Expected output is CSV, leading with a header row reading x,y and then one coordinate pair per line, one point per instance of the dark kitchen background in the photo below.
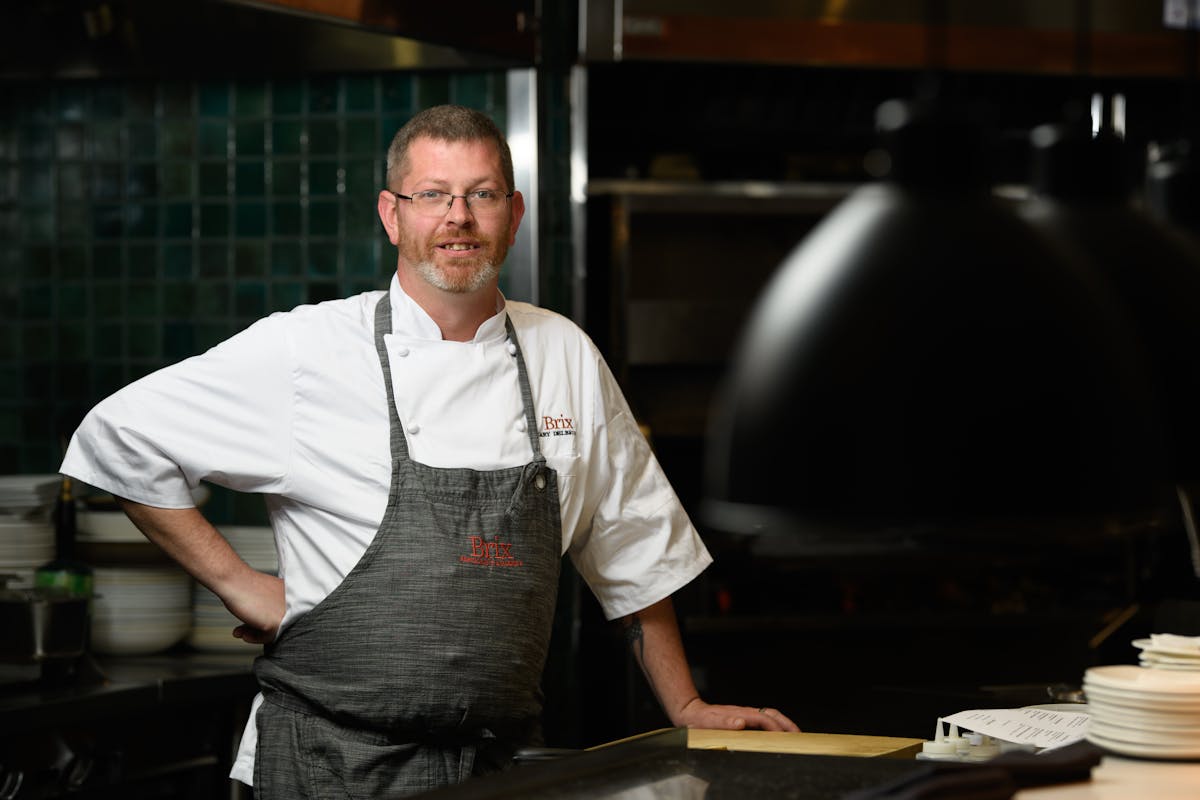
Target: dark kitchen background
x,y
171,172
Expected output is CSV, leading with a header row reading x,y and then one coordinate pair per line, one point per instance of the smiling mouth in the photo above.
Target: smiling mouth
x,y
458,247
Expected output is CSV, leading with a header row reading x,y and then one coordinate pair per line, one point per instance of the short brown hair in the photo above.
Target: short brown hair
x,y
448,123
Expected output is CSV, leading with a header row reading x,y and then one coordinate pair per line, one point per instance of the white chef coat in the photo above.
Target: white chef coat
x,y
294,408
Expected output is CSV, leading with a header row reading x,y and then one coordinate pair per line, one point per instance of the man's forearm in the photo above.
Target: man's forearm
x,y
184,534
653,637
189,539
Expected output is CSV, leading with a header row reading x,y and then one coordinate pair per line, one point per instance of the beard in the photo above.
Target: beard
x,y
460,281
465,275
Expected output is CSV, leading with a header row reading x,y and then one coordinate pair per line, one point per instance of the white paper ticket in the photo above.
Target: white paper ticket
x,y
1040,727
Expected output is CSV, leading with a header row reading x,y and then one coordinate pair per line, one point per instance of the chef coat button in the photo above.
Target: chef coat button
x,y
414,428
521,425
540,481
401,351
512,349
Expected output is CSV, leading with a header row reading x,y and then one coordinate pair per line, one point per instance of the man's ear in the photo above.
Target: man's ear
x,y
517,210
386,206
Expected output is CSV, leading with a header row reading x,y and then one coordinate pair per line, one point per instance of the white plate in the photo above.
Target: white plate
x,y
27,552
145,622
140,576
18,564
103,604
1140,681
1168,658
220,640
1166,648
1101,696
1142,750
116,638
106,526
1175,737
25,491
1150,664
26,521
1146,719
26,538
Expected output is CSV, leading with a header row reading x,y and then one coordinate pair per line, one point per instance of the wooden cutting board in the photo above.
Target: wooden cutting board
x,y
823,744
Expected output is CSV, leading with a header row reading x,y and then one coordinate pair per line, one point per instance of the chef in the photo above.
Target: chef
x,y
427,454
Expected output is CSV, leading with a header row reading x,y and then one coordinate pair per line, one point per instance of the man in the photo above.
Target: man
x,y
427,454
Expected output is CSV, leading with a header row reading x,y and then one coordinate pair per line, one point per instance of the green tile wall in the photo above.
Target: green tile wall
x,y
144,221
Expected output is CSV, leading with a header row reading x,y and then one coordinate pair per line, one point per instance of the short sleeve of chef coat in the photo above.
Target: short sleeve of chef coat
x,y
640,546
223,417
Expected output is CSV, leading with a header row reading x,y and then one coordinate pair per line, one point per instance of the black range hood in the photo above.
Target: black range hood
x,y
87,38
1062,37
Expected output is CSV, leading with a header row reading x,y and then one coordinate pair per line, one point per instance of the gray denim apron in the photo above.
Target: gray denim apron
x,y
423,667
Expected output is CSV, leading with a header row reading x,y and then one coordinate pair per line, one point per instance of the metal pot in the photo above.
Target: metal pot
x,y
41,624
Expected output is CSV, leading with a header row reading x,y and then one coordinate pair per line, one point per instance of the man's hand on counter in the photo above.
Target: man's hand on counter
x,y
699,714
653,638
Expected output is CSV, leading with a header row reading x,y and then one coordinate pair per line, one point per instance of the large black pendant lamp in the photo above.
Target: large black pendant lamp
x,y
1083,199
924,360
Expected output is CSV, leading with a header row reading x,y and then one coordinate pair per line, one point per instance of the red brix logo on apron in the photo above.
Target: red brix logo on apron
x,y
493,553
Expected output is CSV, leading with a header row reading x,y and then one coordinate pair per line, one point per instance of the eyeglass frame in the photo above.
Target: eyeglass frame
x,y
450,204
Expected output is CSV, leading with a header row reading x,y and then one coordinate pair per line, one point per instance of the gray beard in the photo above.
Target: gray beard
x,y
487,273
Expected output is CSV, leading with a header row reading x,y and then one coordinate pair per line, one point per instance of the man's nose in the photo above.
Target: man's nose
x,y
459,211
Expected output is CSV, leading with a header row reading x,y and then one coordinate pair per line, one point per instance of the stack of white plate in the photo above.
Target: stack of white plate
x,y
106,526
212,624
26,533
1170,651
20,494
139,610
1144,712
26,543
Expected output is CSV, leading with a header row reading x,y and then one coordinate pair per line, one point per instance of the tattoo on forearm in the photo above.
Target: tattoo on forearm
x,y
635,639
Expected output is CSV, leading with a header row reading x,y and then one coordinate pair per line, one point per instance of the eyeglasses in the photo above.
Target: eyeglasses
x,y
482,202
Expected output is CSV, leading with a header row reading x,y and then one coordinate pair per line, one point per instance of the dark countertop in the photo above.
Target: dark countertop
x,y
660,765
103,686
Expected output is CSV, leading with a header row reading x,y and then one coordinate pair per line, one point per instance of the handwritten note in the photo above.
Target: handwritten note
x,y
1039,727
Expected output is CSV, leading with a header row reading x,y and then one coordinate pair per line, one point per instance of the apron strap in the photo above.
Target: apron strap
x,y
535,443
383,325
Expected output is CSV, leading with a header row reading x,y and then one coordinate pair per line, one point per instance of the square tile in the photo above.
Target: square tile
x,y
250,259
324,177
250,98
287,259
214,179
287,137
213,99
286,219
213,139
250,179
178,179
287,97
213,260
323,218
359,93
322,259
285,178
250,138
323,137
214,220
